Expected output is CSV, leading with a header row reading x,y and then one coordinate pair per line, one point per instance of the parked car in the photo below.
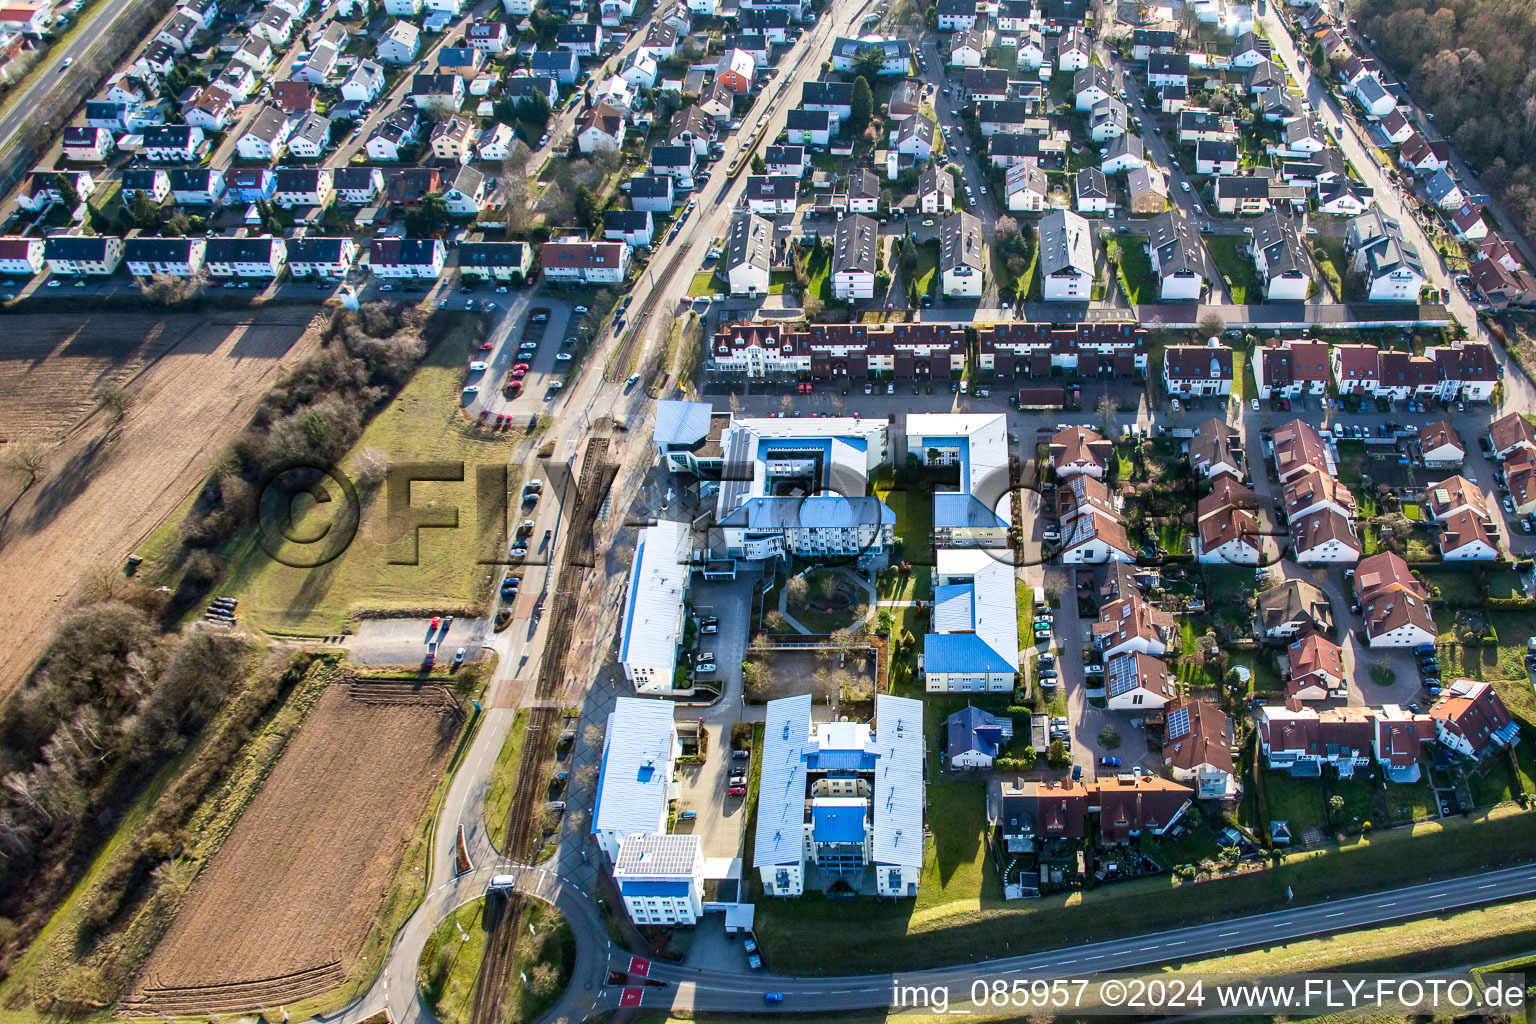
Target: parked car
x,y
1109,762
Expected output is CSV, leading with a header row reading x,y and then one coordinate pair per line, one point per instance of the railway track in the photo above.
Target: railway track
x,y
543,733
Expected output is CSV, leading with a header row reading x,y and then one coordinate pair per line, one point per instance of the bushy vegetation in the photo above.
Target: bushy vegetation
x,y
111,701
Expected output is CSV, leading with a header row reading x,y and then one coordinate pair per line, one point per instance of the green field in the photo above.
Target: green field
x,y
423,424
450,961
1236,266
1136,277
503,780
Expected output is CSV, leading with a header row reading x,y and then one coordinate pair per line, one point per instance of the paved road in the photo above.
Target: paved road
x,y
718,991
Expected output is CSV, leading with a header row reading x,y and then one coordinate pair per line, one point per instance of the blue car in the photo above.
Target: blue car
x,y
1109,762
773,997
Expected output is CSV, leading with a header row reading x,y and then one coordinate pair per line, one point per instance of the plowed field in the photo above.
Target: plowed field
x,y
283,908
195,378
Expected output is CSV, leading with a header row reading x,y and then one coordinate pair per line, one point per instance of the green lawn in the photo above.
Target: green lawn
x,y
1298,801
913,508
1236,266
705,282
1329,253
1136,277
503,780
423,424
927,272
780,281
818,271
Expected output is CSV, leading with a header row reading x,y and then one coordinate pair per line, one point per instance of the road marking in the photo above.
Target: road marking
x,y
1438,896
1223,935
1490,885
1337,913
1179,943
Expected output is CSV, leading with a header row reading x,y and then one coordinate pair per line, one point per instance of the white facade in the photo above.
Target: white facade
x,y
654,610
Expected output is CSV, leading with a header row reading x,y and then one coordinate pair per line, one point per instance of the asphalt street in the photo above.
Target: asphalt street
x,y
717,991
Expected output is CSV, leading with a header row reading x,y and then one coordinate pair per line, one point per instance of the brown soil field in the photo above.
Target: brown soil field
x,y
282,909
195,378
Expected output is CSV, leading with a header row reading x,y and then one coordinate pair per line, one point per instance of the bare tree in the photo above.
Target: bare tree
x,y
371,467
115,400
28,459
1106,410
1211,325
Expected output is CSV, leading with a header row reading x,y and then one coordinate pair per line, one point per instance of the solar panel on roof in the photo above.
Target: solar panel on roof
x,y
1178,723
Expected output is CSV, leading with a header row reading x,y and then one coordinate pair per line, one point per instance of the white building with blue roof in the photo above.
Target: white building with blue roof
x,y
979,511
974,645
635,784
841,800
653,610
799,487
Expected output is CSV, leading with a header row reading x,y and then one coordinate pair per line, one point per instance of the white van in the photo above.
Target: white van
x,y
502,883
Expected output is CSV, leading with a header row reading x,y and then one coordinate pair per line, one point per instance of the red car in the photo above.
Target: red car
x,y
436,621
521,366
483,414
738,791
486,346
518,373
515,387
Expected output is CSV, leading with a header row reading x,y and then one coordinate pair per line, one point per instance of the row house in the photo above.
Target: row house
x,y
570,260
324,258
1394,604
261,257
1197,370
1301,740
304,186
1227,530
1292,368
407,258
175,257
842,351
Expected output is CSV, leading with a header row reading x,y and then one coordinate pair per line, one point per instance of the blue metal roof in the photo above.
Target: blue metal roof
x,y
961,652
681,422
956,510
646,887
838,823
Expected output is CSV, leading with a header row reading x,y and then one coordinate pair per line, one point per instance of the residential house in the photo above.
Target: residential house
x,y
1394,605
464,192
1197,748
1197,370
601,128
1147,189
365,83
1147,41
674,162
87,145
1025,188
586,262
1079,450
1011,117
1066,256
562,65
1292,368
1373,97
174,143
325,258
275,26
1092,85
1294,608
1205,126
1074,51
260,257
452,139
1178,256
495,143
20,257
1501,287
771,195
1241,194
808,127
496,261
439,94
968,49
1325,536
660,878
1467,223
1315,669
357,186
1109,119
976,737
489,37
1008,149
1343,198
651,192
936,190
1299,448
409,258
1167,69
304,186
957,15
173,257
82,255
250,184
854,243
1510,434
792,160
1138,682
1442,190
632,227
1217,448
1471,720
1316,491
962,255
584,40
1226,529
1280,257
1123,153
863,192
735,70
1216,158
1388,264
399,45
748,256
266,136
310,137
1131,805
1394,128
915,138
